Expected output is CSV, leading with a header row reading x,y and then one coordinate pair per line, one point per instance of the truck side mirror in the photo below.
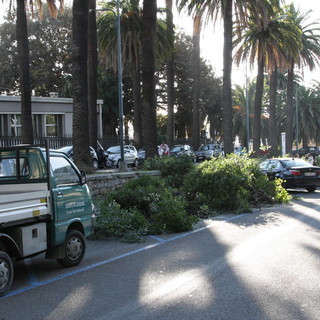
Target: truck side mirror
x,y
83,177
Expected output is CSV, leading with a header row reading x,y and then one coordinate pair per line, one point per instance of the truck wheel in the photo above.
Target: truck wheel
x,y
75,247
6,273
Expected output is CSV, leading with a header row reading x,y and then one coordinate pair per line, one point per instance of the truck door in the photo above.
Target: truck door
x,y
71,198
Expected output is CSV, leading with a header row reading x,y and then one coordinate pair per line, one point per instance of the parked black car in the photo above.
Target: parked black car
x,y
296,172
314,151
97,162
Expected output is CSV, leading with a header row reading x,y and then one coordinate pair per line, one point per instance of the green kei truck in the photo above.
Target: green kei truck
x,y
45,206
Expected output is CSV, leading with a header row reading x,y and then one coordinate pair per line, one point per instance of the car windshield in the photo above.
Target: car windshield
x,y
204,148
296,163
177,149
65,149
115,149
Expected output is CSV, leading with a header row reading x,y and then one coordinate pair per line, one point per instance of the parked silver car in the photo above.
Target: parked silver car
x,y
130,155
209,151
182,149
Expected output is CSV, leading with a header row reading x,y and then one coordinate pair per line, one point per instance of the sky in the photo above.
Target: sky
x,y
212,40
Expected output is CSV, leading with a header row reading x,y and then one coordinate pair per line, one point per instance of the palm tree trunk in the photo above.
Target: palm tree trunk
x,y
272,114
92,74
196,82
227,67
81,154
24,73
170,82
289,110
148,77
257,107
136,92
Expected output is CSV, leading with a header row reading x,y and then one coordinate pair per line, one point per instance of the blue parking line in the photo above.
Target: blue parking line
x,y
34,283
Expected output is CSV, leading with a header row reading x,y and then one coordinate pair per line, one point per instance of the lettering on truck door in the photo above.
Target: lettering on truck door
x,y
69,195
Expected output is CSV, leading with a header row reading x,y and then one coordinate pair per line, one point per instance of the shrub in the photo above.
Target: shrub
x,y
144,204
115,221
231,184
170,216
173,169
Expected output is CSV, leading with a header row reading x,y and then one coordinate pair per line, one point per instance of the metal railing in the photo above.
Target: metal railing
x,y
53,142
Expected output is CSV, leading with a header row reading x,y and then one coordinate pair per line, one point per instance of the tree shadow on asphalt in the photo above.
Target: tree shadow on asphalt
x,y
203,275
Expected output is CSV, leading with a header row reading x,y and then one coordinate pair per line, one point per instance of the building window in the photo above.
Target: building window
x,y
51,125
15,124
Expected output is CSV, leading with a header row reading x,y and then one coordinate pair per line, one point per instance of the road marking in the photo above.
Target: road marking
x,y
35,284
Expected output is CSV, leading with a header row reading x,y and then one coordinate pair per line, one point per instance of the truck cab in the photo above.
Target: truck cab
x,y
45,206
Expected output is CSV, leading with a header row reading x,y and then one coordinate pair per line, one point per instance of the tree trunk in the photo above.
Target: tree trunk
x,y
289,110
256,135
136,92
24,73
226,89
196,82
92,74
148,35
170,82
273,133
80,86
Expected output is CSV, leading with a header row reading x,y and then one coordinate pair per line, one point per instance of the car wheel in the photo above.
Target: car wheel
x,y
311,188
74,247
136,163
6,273
109,163
118,164
95,164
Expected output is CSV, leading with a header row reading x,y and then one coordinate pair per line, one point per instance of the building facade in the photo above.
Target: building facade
x,y
52,116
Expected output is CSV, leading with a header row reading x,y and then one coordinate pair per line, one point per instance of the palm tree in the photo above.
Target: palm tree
x,y
243,9
267,44
242,97
170,80
24,64
80,12
92,74
148,36
196,82
24,72
308,56
131,28
308,114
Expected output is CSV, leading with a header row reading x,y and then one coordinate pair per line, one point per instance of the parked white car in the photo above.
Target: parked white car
x,y
130,155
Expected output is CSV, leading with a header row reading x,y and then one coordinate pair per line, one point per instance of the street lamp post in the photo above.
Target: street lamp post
x,y
120,93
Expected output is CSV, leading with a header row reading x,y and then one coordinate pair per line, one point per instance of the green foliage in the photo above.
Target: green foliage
x,y
173,169
232,184
281,194
149,205
115,221
143,205
49,50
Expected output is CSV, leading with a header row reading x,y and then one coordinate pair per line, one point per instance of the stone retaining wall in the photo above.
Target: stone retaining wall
x,y
100,184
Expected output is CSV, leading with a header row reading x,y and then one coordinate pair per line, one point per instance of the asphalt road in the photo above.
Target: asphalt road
x,y
255,266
